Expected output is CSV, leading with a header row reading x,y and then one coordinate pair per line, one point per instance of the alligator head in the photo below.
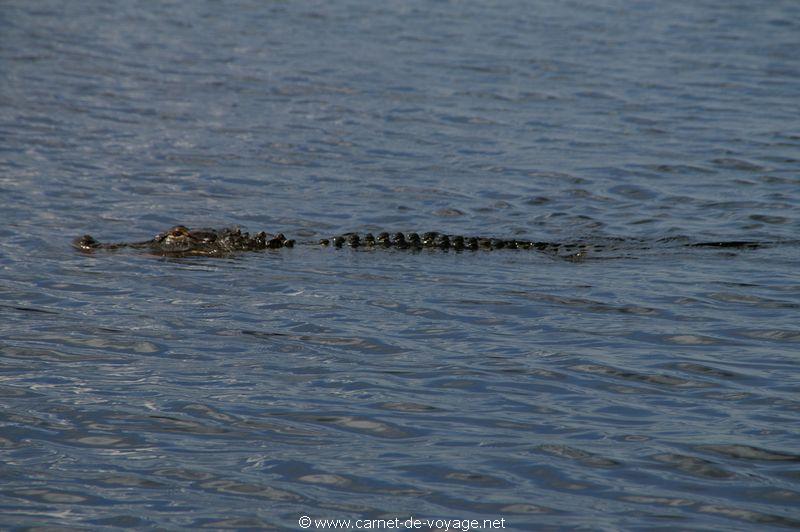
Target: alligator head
x,y
182,241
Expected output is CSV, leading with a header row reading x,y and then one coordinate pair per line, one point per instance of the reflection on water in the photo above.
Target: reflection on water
x,y
638,386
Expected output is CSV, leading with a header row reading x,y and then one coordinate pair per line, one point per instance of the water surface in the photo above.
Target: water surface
x,y
652,388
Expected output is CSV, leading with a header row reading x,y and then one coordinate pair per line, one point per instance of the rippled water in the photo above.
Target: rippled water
x,y
652,388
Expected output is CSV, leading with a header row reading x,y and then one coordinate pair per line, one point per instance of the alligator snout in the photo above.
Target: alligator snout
x,y
85,243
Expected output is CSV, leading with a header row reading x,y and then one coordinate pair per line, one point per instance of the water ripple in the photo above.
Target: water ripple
x,y
631,381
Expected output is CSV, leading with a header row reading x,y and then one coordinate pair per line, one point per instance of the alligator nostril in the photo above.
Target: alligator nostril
x,y
86,242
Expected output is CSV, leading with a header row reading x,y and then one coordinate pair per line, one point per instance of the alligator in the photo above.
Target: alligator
x,y
180,241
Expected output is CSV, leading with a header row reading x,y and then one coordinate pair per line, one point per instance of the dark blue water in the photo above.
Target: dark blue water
x,y
653,388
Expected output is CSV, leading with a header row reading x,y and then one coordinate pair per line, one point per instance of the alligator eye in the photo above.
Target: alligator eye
x,y
179,230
